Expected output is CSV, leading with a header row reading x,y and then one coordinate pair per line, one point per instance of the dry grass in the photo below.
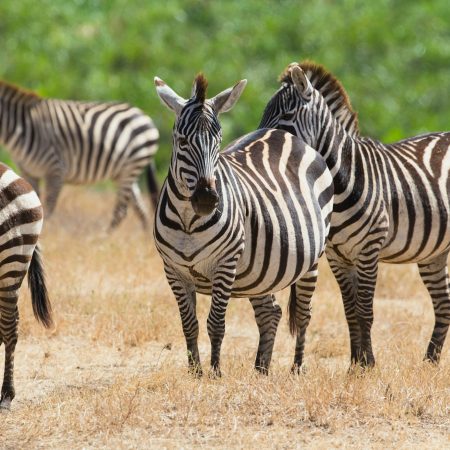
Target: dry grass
x,y
113,372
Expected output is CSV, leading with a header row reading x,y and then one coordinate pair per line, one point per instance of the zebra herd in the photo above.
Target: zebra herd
x,y
247,221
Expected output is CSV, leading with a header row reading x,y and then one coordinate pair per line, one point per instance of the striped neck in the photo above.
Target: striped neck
x,y
337,147
331,140
14,112
179,204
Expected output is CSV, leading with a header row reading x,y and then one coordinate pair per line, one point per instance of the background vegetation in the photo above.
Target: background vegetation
x,y
392,56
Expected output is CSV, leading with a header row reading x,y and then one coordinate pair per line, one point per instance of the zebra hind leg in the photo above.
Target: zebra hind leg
x,y
300,313
9,317
435,276
152,183
139,205
267,315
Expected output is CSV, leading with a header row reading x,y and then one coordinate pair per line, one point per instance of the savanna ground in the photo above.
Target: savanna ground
x,y
112,374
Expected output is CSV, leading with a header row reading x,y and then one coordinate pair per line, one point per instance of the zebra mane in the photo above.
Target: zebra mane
x,y
332,91
9,87
199,88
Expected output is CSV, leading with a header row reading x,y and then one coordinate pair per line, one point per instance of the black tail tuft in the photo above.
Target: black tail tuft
x,y
152,184
292,307
42,308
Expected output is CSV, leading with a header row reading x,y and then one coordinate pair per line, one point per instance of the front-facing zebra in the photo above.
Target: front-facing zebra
x,y
80,143
391,203
246,222
20,226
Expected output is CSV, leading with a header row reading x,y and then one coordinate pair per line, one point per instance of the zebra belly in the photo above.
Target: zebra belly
x,y
404,242
243,286
418,246
420,233
260,270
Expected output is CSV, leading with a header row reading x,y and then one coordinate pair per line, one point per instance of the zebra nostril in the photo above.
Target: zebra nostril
x,y
214,196
204,200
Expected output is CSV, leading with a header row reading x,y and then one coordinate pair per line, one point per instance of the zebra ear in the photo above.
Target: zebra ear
x,y
224,101
169,97
301,82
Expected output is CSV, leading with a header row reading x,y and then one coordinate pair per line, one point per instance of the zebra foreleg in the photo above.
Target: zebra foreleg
x,y
221,291
300,313
53,185
267,315
139,205
9,317
367,270
32,180
186,298
124,195
347,280
434,275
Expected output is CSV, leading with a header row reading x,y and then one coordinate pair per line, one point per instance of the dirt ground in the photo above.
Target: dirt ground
x,y
112,373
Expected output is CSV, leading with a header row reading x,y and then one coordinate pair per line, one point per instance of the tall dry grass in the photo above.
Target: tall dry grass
x,y
112,374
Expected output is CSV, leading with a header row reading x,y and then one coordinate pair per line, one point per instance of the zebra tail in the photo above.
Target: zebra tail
x,y
42,308
152,184
292,308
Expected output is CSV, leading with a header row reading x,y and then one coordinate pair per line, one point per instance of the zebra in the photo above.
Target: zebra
x,y
20,226
245,222
391,201
80,142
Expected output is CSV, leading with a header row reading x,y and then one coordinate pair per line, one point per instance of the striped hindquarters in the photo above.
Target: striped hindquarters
x,y
20,226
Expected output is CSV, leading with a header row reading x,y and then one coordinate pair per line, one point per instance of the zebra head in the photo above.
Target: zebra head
x,y
290,107
197,136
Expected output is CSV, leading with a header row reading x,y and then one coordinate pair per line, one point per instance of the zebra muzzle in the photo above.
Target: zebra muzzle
x,y
205,198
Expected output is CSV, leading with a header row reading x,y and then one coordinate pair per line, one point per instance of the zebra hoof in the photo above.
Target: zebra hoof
x,y
298,369
5,404
433,360
215,373
262,370
359,369
196,371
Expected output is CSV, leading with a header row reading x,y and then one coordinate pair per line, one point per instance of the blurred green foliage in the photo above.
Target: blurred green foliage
x,y
392,56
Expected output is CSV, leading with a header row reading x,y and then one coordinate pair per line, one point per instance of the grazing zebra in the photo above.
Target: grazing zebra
x,y
20,226
391,201
246,222
79,143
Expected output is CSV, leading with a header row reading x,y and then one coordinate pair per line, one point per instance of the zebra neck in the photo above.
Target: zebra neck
x,y
335,144
338,148
179,205
14,120
175,192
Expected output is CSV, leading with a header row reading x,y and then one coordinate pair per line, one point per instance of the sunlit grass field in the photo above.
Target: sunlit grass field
x,y
112,374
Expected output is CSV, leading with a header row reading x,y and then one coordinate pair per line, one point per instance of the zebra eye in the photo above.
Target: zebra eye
x,y
182,142
287,115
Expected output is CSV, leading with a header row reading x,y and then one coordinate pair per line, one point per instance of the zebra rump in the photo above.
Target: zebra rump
x,y
20,227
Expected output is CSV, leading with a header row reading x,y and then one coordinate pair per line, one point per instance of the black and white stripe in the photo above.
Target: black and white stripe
x,y
246,222
391,203
20,226
79,142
